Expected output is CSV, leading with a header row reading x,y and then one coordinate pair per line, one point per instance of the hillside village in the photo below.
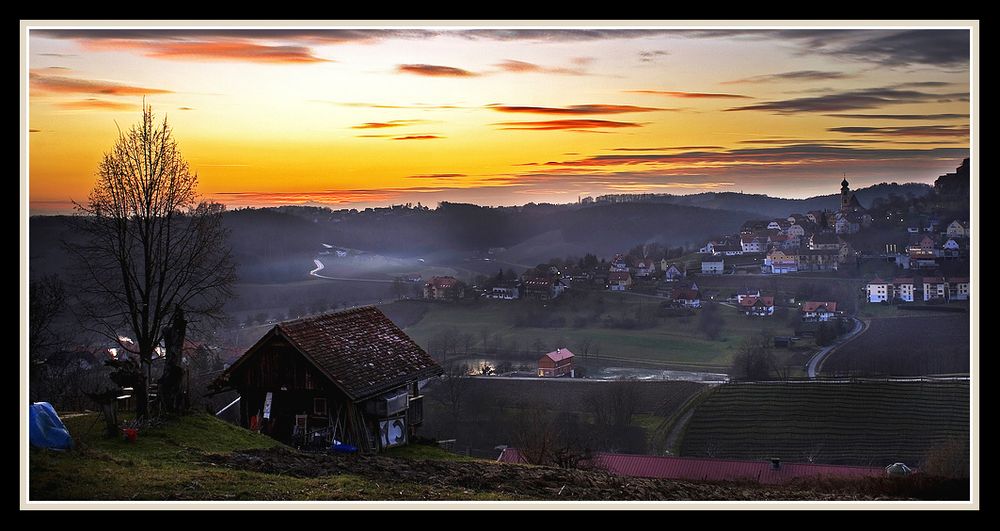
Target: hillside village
x,y
815,242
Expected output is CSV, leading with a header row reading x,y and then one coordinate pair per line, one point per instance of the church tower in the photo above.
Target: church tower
x,y
845,195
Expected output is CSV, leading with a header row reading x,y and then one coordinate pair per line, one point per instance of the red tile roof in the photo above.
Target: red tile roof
x,y
751,300
619,276
559,355
934,280
443,282
812,306
360,350
958,279
685,294
901,280
697,469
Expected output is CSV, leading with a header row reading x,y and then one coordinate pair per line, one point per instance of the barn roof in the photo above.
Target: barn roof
x,y
360,350
697,469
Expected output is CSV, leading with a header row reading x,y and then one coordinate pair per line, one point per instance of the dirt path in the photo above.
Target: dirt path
x,y
678,428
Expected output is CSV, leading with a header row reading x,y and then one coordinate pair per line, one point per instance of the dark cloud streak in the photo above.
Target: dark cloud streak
x,y
593,108
434,70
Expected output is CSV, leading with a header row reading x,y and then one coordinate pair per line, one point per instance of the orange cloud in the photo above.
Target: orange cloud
x,y
575,109
223,50
96,104
521,67
562,125
696,95
434,71
68,85
391,123
417,137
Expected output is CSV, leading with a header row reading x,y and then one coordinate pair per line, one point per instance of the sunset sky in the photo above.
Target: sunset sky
x,y
363,117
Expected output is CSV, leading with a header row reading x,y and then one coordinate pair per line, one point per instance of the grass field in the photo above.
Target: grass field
x,y
492,410
903,346
168,463
672,342
866,423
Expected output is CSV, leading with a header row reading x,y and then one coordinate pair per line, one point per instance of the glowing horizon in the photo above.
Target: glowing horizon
x,y
354,117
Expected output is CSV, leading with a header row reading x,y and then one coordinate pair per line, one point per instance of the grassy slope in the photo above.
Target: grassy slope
x,y
166,463
673,341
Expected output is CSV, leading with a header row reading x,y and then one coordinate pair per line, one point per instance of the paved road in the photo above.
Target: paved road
x,y
320,267
814,363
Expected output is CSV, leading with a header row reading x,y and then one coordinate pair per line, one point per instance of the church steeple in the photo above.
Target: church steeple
x,y
845,195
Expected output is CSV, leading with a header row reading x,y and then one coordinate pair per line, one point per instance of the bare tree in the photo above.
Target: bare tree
x,y
46,301
454,385
150,245
754,360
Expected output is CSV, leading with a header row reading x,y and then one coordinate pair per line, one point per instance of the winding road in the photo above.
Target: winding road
x,y
817,360
320,267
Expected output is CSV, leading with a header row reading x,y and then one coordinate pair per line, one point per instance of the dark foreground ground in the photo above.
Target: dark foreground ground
x,y
508,481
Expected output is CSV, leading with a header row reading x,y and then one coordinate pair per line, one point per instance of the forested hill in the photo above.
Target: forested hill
x,y
764,206
463,227
293,235
286,238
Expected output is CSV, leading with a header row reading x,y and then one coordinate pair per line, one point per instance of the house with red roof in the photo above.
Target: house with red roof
x,y
619,281
813,311
757,306
645,267
442,288
556,363
769,472
686,297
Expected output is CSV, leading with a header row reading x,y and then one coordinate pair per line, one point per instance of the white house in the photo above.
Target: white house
x,y
672,272
709,248
619,281
958,289
688,298
758,306
795,230
744,294
935,288
712,266
879,290
818,310
951,248
957,229
618,264
645,267
904,289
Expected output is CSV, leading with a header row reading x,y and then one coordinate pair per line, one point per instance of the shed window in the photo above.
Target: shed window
x,y
319,406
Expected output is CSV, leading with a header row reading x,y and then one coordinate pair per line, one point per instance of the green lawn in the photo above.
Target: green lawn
x,y
167,463
671,341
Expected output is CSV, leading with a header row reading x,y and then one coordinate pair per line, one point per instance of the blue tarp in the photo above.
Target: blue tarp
x,y
46,429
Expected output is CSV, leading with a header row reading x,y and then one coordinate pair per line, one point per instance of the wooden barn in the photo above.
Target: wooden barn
x,y
350,376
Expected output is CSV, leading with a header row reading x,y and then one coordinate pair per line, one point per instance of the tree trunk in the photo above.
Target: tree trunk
x,y
140,396
171,395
